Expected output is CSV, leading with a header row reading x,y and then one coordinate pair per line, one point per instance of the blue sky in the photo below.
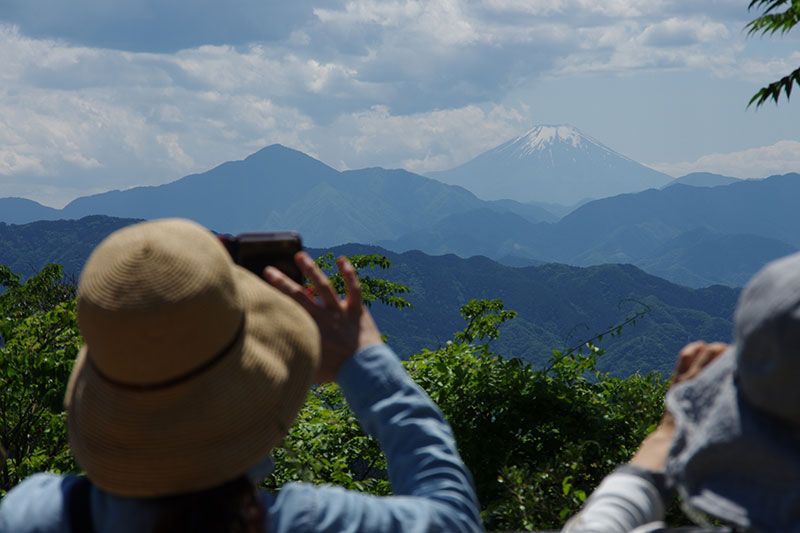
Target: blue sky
x,y
97,95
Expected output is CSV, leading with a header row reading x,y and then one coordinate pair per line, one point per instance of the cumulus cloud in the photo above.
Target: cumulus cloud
x,y
143,91
420,142
683,32
158,25
779,158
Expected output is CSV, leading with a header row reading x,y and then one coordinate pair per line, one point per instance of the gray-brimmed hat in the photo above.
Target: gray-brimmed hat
x,y
736,452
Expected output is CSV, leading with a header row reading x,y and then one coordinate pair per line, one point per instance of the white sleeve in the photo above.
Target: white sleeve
x,y
627,500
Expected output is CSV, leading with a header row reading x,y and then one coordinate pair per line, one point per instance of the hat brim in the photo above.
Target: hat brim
x,y
202,431
728,459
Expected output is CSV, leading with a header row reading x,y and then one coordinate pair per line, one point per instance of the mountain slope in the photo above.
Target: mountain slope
x,y
692,235
703,179
558,305
767,208
281,188
557,164
26,248
700,258
21,210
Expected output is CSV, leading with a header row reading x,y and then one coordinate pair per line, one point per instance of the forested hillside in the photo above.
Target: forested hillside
x,y
690,235
557,305
695,236
26,248
536,440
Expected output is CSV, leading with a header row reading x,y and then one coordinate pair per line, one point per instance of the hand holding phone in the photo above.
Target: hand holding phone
x,y
345,325
256,251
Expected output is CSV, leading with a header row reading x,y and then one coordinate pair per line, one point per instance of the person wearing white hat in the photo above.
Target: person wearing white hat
x,y
729,443
193,370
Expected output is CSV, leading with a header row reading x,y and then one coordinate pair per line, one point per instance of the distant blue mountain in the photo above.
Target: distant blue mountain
x,y
557,164
21,210
558,305
694,235
281,188
691,235
703,179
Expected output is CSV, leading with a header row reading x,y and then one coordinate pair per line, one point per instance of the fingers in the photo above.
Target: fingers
x,y
351,285
687,356
717,348
318,279
289,287
694,357
706,356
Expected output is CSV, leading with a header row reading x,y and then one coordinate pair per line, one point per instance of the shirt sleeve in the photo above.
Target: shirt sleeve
x,y
36,505
628,499
432,487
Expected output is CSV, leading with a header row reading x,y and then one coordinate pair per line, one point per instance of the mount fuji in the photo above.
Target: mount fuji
x,y
552,163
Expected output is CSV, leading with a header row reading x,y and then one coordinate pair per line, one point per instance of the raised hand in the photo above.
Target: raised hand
x,y
693,358
345,325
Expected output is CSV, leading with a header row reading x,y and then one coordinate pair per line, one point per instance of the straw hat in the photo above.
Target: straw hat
x,y
736,450
193,367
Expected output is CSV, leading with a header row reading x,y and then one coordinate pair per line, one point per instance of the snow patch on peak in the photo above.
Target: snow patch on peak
x,y
545,136
542,137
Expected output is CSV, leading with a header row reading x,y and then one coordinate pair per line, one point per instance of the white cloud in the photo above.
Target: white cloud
x,y
760,70
607,8
779,158
13,160
443,21
424,141
90,104
683,32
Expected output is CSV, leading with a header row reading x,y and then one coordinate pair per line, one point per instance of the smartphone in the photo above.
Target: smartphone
x,y
255,251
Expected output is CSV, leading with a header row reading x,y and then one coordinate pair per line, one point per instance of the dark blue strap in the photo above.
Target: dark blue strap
x,y
78,506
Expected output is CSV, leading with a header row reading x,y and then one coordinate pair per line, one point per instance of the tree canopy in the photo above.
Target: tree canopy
x,y
537,439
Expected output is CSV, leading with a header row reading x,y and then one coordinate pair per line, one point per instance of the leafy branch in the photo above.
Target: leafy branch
x,y
773,21
614,331
373,288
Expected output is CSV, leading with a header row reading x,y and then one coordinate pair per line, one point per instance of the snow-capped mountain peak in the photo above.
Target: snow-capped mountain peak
x,y
544,136
552,163
541,136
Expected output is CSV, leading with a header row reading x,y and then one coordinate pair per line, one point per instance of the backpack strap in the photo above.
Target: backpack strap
x,y
77,504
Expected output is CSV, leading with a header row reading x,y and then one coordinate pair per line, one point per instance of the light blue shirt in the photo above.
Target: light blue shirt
x,y
431,485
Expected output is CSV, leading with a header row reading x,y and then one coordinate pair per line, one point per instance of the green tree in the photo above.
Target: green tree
x,y
536,439
40,342
374,288
777,16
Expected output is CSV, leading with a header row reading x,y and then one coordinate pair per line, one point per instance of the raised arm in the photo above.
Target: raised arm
x,y
432,487
635,494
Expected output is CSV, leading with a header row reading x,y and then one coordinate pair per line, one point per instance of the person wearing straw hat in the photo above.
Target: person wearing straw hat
x,y
193,370
729,443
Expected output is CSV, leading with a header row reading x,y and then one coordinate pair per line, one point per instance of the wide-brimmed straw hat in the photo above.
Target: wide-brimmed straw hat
x,y
193,367
736,451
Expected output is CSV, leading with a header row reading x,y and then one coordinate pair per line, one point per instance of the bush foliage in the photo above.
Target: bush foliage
x,y
537,440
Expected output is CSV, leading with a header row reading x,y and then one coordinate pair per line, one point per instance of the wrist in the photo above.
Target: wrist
x,y
652,454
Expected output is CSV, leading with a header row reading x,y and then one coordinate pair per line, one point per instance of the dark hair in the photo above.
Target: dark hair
x,y
234,507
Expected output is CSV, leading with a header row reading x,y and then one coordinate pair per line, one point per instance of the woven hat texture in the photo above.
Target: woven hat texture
x,y
193,368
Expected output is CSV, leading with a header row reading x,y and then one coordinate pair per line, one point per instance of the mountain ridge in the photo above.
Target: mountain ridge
x,y
551,163
280,185
750,222
558,305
